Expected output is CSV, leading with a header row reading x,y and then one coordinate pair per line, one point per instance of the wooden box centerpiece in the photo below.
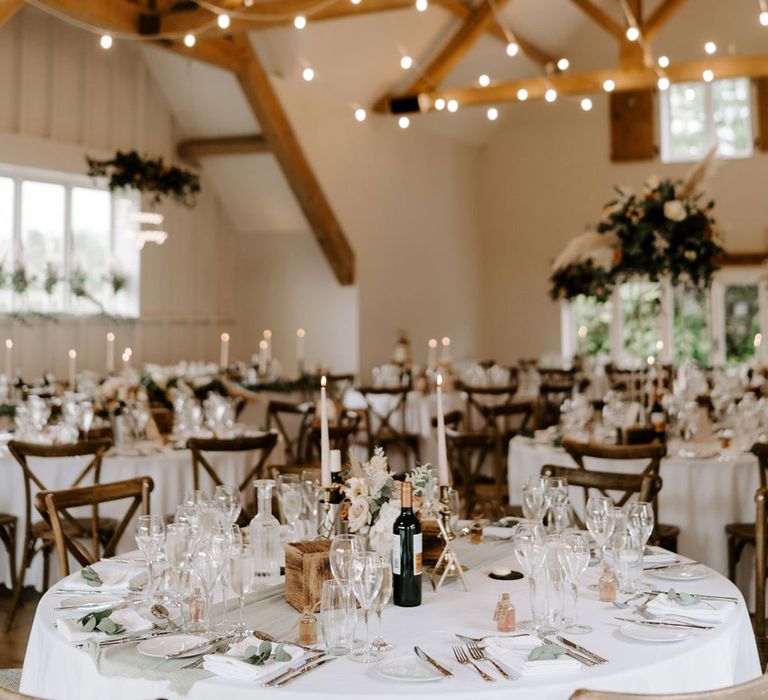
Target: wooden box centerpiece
x,y
306,567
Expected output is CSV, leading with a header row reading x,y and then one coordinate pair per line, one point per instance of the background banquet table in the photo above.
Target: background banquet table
x,y
717,658
699,495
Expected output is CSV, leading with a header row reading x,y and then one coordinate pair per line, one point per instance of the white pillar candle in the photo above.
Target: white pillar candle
x,y
9,360
446,354
268,339
110,352
300,333
325,445
72,368
443,474
262,358
126,369
224,351
432,353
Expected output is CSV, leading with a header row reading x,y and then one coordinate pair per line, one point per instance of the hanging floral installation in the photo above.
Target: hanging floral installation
x,y
668,230
130,170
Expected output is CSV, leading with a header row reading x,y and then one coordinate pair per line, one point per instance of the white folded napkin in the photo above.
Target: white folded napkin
x,y
703,610
658,555
114,576
127,617
231,664
504,533
513,651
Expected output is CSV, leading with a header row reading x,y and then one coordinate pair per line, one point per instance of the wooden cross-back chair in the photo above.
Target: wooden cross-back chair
x,y
293,422
619,487
262,444
509,420
739,535
756,689
385,434
337,385
452,420
479,399
54,507
469,454
35,479
651,454
556,386
339,436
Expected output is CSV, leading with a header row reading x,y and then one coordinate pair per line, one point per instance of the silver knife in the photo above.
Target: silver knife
x,y
426,657
582,650
293,669
703,596
661,623
304,670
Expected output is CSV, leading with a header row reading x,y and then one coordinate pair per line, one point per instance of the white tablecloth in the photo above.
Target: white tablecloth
x,y
700,496
717,658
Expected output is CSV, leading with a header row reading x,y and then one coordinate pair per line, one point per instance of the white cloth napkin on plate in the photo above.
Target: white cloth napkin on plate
x,y
703,610
127,617
513,651
658,555
114,576
504,533
231,664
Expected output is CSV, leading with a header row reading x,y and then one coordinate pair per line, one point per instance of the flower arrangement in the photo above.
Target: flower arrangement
x,y
665,230
20,280
51,278
130,170
116,280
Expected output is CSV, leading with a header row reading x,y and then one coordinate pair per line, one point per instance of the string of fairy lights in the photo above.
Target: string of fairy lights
x,y
222,19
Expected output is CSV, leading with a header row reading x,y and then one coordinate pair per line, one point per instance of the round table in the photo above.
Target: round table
x,y
717,658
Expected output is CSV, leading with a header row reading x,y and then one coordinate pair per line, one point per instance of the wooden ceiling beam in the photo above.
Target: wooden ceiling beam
x,y
283,142
589,83
8,8
659,17
193,149
599,16
116,15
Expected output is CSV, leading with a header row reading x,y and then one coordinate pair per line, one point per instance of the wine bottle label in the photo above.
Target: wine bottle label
x,y
396,555
416,555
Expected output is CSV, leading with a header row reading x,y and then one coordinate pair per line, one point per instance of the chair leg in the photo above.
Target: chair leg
x,y
8,536
19,586
46,566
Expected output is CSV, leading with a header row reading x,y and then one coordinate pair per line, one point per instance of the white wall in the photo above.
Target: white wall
x,y
61,96
544,177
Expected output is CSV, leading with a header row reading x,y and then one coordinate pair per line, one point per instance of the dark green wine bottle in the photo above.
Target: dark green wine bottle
x,y
406,553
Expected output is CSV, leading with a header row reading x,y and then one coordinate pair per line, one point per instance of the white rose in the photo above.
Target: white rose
x,y
359,515
379,461
380,538
652,182
674,210
356,488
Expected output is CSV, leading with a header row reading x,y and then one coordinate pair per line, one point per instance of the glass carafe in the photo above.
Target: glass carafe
x,y
264,533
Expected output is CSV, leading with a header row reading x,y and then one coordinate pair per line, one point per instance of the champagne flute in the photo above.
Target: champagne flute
x,y
385,593
600,520
242,576
150,537
640,521
367,574
528,544
209,562
573,553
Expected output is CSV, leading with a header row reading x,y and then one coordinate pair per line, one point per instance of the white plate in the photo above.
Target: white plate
x,y
160,647
408,668
682,573
652,633
92,602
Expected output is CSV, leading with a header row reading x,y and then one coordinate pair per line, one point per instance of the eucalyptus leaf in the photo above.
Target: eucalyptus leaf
x,y
281,654
546,652
91,577
682,598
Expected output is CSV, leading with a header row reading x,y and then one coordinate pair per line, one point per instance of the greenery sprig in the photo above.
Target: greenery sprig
x,y
546,652
684,599
258,656
91,576
101,622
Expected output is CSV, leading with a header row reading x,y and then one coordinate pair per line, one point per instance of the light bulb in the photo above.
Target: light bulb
x,y
308,74
609,85
550,95
422,5
563,64
512,48
663,61
633,33
439,104
300,21
355,2
453,105
764,19
710,47
360,114
522,94
189,40
223,21
707,76
492,114
406,62
403,122
484,80
663,83
105,42
586,104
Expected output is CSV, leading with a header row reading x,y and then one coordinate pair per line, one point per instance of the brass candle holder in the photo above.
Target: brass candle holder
x,y
448,565
329,515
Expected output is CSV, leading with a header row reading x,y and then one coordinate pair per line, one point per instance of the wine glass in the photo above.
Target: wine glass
x,y
528,545
178,538
385,592
227,498
242,576
310,479
150,534
535,498
640,521
342,549
194,498
366,577
601,520
573,553
209,561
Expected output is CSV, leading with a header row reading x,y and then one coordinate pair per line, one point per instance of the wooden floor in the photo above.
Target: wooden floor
x,y
13,644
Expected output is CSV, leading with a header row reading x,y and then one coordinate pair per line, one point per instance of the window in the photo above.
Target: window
x,y
640,306
696,116
742,322
66,246
691,330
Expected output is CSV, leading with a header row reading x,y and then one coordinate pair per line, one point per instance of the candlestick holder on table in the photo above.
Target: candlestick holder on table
x,y
448,565
329,514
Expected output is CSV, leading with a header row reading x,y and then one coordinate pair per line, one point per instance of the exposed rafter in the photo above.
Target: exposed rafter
x,y
660,16
192,149
601,17
8,8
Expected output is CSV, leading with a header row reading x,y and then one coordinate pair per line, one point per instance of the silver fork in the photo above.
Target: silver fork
x,y
479,655
478,640
271,638
462,658
221,648
641,608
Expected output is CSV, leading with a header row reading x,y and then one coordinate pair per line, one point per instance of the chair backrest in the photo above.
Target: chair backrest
x,y
511,418
469,452
756,689
645,486
653,453
200,447
339,435
54,506
479,398
452,420
760,450
338,384
395,406
292,421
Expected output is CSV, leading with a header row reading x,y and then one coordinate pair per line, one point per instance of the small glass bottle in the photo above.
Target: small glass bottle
x,y
264,535
504,615
607,586
307,628
476,533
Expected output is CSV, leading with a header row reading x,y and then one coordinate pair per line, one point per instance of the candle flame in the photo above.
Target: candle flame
x,y
446,341
126,356
225,337
323,381
300,333
439,380
433,342
110,337
659,345
72,354
8,343
651,360
128,353
263,344
583,331
267,334
758,339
